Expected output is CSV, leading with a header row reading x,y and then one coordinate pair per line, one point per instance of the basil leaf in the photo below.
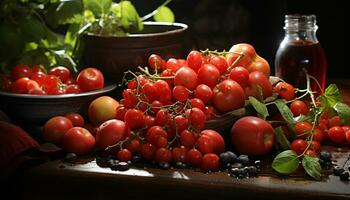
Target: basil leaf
x,y
286,113
164,14
332,94
98,7
286,162
343,111
129,16
260,108
312,166
65,11
281,138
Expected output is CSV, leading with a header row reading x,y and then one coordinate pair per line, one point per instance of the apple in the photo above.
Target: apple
x,y
78,140
102,109
109,133
252,136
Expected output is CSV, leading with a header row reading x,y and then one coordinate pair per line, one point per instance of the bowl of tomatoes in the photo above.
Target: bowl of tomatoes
x,y
31,95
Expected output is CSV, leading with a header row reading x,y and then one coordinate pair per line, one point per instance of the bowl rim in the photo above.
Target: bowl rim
x,y
107,88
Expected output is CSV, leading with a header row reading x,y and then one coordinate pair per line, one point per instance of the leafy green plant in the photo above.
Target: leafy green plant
x,y
45,31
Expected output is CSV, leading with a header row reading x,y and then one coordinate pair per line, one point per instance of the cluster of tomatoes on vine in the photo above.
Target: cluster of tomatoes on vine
x,y
36,80
311,133
165,107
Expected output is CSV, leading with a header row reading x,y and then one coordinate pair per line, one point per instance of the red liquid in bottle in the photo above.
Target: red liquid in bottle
x,y
296,55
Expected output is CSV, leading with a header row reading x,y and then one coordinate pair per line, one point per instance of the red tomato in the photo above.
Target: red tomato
x,y
134,118
204,93
247,51
298,107
172,65
133,146
20,71
196,117
303,129
156,62
228,96
154,133
90,79
334,121
124,155
240,75
187,77
261,65
55,128
220,63
318,135
205,144
102,109
252,136
218,140
210,162
147,151
285,90
194,157
163,155
76,119
197,103
73,89
109,133
38,68
337,134
20,85
61,72
78,140
180,154
311,152
180,93
258,82
299,146
188,138
208,74
194,60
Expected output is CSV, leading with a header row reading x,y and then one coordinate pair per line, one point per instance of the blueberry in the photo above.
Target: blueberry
x,y
237,165
71,157
135,158
234,171
325,156
112,162
344,176
337,170
252,171
243,159
322,162
120,166
232,157
242,173
164,165
102,161
180,165
224,158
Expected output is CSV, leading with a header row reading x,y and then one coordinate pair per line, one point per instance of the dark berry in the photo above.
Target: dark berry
x,y
322,163
70,157
120,166
344,176
337,170
232,157
224,158
180,165
252,171
241,173
257,164
102,161
243,159
164,165
237,165
326,156
135,158
234,171
112,162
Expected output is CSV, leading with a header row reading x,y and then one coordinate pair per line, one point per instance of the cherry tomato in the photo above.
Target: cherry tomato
x,y
318,135
252,136
90,79
20,71
187,77
204,93
38,68
194,60
196,117
156,62
179,154
61,72
194,157
246,51
73,89
299,146
78,140
311,152
188,138
181,123
37,91
150,91
210,162
334,121
20,85
133,146
316,146
55,128
39,77
76,119
163,155
163,117
228,96
205,144
180,93
337,134
298,107
240,75
134,118
218,140
147,151
124,155
51,82
220,63
208,74
197,103
154,133
285,90
172,65
257,82
303,129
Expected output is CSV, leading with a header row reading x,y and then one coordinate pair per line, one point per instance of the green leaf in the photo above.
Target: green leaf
x,y
286,113
281,138
64,12
332,94
164,14
343,111
32,29
65,60
312,166
260,108
129,16
71,36
98,7
11,42
286,162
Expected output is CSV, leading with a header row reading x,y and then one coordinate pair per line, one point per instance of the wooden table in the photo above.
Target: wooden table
x,y
86,180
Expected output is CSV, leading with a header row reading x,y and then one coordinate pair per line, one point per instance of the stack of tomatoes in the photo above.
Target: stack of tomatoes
x,y
58,80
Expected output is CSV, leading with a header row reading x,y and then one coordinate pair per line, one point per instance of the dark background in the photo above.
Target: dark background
x,y
218,24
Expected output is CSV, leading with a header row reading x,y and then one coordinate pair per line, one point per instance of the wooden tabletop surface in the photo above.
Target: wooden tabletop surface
x,y
85,180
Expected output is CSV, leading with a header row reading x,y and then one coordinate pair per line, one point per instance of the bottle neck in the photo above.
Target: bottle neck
x,y
302,35
301,28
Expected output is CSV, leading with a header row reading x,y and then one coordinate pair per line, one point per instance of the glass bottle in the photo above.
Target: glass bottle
x,y
301,49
